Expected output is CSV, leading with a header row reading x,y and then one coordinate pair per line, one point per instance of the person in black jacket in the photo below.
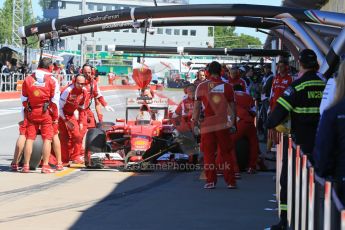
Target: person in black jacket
x,y
329,154
302,101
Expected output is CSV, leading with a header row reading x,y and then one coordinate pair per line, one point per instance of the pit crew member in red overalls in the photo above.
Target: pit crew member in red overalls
x,y
235,78
111,78
72,99
56,140
19,145
280,83
217,99
184,111
38,94
200,77
246,111
93,92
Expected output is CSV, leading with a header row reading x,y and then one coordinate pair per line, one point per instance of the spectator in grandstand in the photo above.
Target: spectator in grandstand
x,y
301,100
329,152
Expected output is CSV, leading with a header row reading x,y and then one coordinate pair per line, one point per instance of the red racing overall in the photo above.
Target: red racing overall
x,y
245,109
184,111
215,95
93,92
71,99
38,93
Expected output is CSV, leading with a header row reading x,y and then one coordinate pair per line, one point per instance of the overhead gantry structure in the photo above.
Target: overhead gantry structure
x,y
299,28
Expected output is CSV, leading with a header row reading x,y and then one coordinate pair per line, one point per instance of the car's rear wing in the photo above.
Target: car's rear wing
x,y
154,103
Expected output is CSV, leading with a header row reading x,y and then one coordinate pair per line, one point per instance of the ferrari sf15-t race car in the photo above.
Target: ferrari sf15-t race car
x,y
143,139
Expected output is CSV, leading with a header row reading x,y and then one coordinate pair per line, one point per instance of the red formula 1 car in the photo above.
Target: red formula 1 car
x,y
145,137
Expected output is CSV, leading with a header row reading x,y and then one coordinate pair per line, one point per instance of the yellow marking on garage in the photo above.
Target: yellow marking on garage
x,y
65,172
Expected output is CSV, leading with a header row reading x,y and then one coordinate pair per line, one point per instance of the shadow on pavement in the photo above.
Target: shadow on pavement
x,y
176,200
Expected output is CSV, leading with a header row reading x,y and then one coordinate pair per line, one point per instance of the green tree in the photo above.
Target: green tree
x,y
6,20
225,36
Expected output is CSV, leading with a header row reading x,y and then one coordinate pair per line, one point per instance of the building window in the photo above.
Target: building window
x,y
106,48
63,5
142,30
193,33
79,47
168,31
92,34
108,8
98,47
125,31
117,30
79,6
91,6
89,48
99,7
185,32
134,30
210,31
160,31
176,32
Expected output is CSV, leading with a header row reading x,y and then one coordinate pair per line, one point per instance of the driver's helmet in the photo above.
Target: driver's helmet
x,y
143,118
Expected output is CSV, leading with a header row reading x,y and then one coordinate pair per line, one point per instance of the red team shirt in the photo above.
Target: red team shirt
x,y
244,104
279,85
71,99
214,95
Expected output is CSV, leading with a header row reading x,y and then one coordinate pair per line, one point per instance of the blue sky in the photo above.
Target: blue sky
x,y
38,12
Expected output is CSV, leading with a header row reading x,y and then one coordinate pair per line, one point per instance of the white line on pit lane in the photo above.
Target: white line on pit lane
x,y
10,111
10,126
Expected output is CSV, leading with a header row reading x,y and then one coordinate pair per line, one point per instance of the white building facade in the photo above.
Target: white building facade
x,y
193,36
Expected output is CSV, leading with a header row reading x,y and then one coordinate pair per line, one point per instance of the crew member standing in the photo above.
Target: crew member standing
x,y
93,92
217,99
280,83
38,94
301,100
235,78
72,99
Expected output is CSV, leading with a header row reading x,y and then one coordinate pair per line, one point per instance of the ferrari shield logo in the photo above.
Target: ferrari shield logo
x,y
216,99
36,93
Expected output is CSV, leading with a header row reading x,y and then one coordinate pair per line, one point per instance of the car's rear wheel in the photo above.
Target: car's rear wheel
x,y
95,142
36,155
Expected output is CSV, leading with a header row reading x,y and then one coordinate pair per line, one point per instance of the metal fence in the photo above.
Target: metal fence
x,y
10,82
312,201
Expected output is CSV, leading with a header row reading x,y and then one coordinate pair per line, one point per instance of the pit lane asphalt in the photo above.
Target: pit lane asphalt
x,y
108,200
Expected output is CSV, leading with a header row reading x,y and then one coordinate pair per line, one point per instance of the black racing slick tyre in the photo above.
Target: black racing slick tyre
x,y
95,142
242,153
105,126
36,155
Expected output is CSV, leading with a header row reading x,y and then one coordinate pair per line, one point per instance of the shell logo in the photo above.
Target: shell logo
x,y
36,93
140,142
216,99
